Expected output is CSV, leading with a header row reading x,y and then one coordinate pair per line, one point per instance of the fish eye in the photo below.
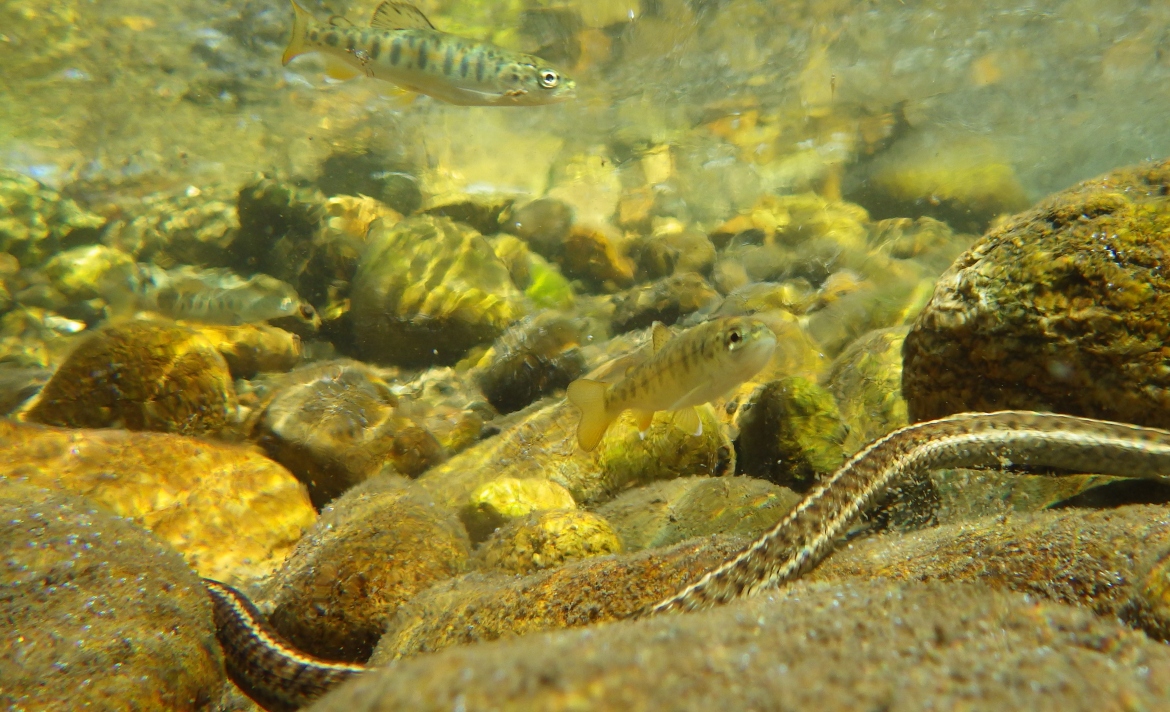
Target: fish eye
x,y
307,311
549,78
734,337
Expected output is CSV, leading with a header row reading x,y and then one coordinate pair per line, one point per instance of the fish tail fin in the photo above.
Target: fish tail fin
x,y
589,397
296,43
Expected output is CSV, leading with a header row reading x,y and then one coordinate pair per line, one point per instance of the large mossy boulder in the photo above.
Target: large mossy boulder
x,y
1065,307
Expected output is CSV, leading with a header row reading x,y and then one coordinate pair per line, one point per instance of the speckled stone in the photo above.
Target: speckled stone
x,y
1062,308
545,540
666,300
667,512
98,614
232,513
866,381
141,375
373,549
506,499
331,424
530,360
477,608
825,646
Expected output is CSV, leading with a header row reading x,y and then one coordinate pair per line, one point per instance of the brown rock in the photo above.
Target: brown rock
x,y
98,614
860,646
232,513
253,348
141,375
1062,307
373,549
545,540
590,255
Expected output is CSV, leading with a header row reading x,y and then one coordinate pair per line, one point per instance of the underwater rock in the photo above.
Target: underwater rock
x,y
416,450
876,304
427,290
506,499
332,425
82,272
589,182
667,512
666,301
591,255
545,540
193,226
543,224
866,381
532,359
672,251
97,611
36,222
1094,559
371,550
792,434
544,445
141,375
477,608
964,184
279,222
824,646
249,349
193,494
1058,308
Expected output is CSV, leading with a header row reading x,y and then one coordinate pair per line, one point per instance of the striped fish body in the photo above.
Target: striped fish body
x,y
424,60
695,367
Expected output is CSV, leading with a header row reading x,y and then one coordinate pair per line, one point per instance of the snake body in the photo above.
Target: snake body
x,y
282,678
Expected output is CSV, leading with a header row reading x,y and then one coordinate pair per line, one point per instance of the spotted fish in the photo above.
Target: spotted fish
x,y
401,46
697,366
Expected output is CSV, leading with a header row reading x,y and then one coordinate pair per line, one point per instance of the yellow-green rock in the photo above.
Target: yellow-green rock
x,y
793,434
233,514
141,375
548,539
427,290
667,512
79,273
506,499
36,222
373,549
254,348
866,380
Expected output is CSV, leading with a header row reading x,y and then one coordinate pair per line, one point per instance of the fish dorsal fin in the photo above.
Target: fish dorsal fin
x,y
399,16
341,22
659,335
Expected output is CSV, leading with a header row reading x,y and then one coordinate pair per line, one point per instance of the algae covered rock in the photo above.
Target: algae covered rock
x,y
532,359
79,274
427,290
666,300
1059,308
792,434
36,222
866,381
667,512
141,375
194,226
278,224
543,224
506,499
97,612
193,494
372,549
673,251
544,540
332,425
249,349
824,646
595,257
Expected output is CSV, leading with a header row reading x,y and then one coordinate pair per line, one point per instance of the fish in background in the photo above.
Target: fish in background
x,y
212,296
402,47
695,367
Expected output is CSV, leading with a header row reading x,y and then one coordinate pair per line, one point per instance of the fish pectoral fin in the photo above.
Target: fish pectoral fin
x,y
336,69
687,420
399,16
644,419
589,397
659,335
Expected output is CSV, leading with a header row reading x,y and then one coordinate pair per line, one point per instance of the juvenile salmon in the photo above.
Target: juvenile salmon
x,y
697,366
401,46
